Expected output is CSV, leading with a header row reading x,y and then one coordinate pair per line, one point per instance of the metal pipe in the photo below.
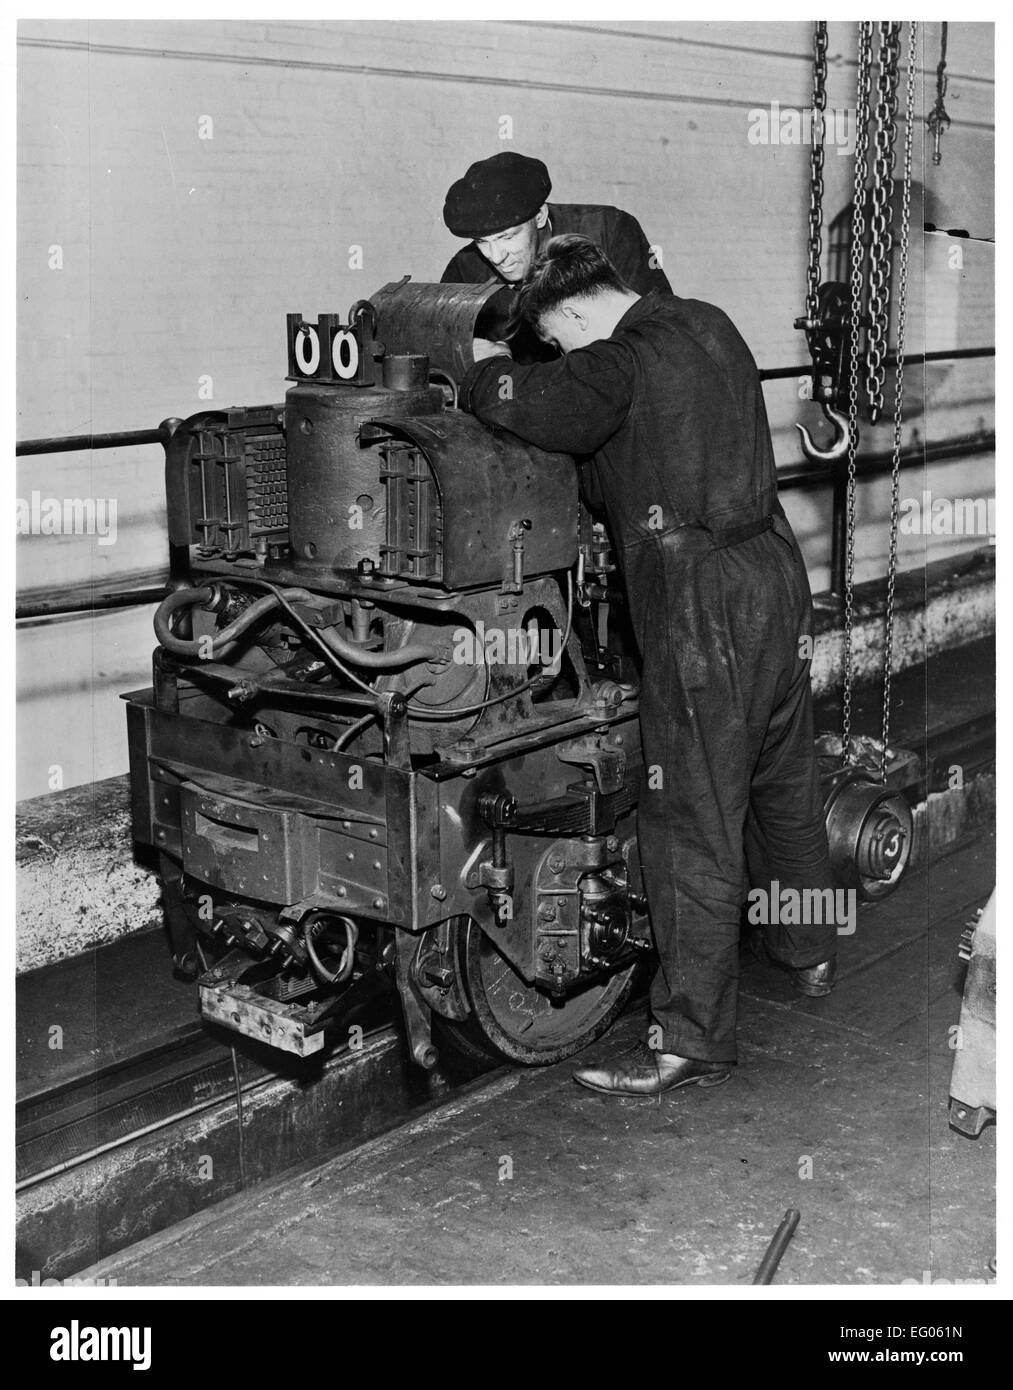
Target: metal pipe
x,y
347,651
71,601
353,731
112,439
768,1265
65,444
914,360
807,475
281,689
872,465
191,598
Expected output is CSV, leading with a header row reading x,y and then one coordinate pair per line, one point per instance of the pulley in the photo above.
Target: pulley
x,y
828,333
870,830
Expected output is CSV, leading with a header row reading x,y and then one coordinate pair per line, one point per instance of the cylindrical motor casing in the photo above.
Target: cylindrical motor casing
x,y
336,499
440,320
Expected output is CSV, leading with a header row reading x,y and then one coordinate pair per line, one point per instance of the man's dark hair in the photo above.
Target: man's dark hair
x,y
570,267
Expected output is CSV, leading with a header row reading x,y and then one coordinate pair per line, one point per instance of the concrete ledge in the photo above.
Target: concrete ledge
x,y
78,882
948,604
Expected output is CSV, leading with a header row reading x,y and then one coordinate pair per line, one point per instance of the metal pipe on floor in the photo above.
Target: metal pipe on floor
x,y
778,1245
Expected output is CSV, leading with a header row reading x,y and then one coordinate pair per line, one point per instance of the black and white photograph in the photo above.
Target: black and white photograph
x,y
504,675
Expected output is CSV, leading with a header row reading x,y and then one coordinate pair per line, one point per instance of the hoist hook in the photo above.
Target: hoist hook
x,y
842,438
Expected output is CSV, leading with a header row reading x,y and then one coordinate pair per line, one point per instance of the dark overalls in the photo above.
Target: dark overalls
x,y
672,409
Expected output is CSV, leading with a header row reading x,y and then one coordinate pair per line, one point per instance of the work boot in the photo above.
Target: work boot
x,y
648,1073
816,981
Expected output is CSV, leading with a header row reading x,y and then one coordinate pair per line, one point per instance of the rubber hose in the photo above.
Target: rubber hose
x,y
184,598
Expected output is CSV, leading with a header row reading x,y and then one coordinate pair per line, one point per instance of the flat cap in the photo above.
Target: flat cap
x,y
496,193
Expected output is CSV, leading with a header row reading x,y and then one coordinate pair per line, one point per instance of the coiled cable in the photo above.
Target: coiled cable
x,y
311,927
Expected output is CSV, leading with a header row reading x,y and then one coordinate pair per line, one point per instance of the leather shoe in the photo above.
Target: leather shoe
x,y
649,1073
816,981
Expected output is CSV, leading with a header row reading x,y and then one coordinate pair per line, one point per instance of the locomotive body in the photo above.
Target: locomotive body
x,y
385,741
388,744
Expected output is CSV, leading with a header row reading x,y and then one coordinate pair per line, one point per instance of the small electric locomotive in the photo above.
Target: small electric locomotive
x,y
387,741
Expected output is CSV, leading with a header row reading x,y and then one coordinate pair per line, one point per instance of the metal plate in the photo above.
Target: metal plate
x,y
266,1020
488,482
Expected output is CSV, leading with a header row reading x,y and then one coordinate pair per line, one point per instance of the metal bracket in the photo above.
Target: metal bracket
x,y
417,1018
515,584
435,972
606,761
396,741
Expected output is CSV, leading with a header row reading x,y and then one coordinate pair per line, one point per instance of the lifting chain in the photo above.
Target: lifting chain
x,y
898,389
878,140
819,106
857,288
937,120
881,232
825,312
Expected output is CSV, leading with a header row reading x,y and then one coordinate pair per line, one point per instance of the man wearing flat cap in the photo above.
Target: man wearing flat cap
x,y
501,205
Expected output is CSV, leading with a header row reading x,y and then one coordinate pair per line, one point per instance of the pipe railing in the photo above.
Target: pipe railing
x,y
804,475
115,439
914,359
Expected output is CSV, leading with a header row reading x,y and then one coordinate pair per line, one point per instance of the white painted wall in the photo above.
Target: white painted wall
x,y
181,256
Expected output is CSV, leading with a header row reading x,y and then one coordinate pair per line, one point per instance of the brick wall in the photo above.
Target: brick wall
x,y
179,255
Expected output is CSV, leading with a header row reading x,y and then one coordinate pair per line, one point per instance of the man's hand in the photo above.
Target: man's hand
x,y
484,348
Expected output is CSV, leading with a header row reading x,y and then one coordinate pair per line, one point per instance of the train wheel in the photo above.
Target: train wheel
x,y
514,1020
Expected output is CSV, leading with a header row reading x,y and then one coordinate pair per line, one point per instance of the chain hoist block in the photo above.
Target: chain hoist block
x,y
828,336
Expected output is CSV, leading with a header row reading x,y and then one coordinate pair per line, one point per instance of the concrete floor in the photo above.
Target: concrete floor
x,y
838,1108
